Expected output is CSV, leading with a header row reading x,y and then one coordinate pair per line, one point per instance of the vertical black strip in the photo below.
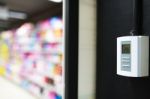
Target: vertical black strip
x,y
137,17
99,50
71,52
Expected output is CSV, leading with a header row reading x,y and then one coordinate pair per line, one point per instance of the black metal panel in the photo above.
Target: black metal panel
x,y
115,19
71,63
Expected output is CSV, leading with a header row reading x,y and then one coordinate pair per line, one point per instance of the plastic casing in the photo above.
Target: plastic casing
x,y
139,56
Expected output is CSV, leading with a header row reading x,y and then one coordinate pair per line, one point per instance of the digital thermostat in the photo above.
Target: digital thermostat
x,y
133,56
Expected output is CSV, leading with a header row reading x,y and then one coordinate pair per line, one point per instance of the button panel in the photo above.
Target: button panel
x,y
125,62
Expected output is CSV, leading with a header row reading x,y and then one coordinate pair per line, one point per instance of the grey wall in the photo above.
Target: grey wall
x,y
87,49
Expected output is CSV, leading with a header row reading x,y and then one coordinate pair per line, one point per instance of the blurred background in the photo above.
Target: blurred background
x,y
31,49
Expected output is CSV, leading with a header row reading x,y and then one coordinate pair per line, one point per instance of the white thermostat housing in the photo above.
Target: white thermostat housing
x,y
133,56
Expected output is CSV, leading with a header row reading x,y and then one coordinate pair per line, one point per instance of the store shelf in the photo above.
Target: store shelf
x,y
33,60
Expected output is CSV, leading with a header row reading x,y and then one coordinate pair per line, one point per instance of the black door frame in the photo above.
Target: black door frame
x,y
99,50
71,48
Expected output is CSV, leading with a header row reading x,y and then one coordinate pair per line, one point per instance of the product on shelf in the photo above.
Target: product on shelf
x,y
31,56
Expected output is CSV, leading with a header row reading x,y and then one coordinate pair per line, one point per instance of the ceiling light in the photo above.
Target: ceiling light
x,y
17,15
4,13
58,1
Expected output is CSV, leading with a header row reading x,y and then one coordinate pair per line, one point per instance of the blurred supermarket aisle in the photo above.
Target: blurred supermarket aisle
x,y
32,50
32,57
10,91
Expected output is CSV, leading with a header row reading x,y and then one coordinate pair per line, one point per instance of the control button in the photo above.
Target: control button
x,y
126,57
125,60
125,65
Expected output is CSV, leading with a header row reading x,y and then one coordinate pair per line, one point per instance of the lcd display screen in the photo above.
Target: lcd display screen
x,y
125,48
